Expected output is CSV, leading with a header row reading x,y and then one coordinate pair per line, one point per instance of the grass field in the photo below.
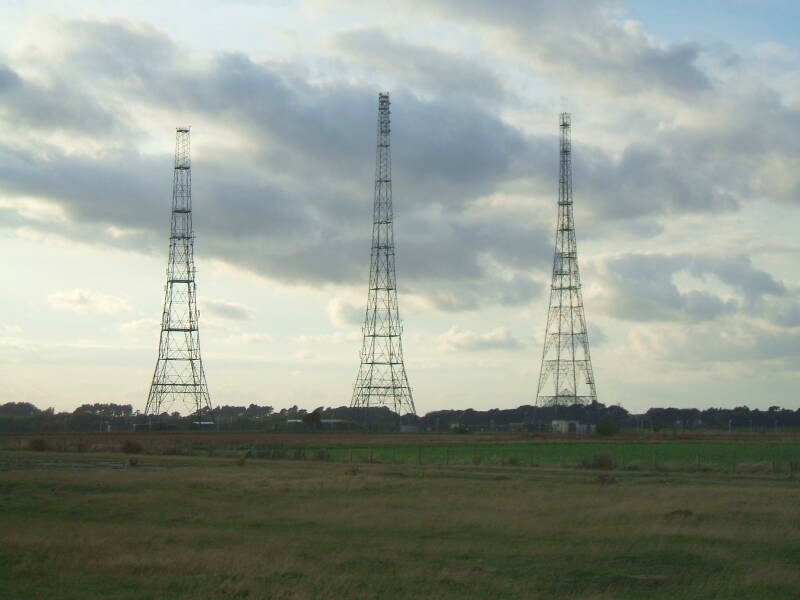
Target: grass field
x,y
763,453
89,526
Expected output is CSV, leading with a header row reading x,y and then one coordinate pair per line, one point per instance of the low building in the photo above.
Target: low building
x,y
571,427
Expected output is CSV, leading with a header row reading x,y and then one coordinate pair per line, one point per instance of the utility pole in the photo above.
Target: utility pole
x,y
179,375
382,379
566,375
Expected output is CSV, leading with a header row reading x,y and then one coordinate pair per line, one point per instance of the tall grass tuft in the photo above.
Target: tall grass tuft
x,y
38,445
601,461
131,447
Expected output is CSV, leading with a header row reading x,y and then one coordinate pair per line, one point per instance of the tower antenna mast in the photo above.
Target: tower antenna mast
x,y
566,375
382,379
179,377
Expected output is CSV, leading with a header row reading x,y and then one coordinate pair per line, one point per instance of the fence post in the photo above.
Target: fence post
x,y
447,456
351,455
419,455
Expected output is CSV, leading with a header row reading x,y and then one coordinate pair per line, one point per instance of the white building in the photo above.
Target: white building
x,y
571,427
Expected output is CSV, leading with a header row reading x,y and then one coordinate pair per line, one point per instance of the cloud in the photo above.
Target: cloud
x,y
737,342
464,340
256,207
352,338
10,329
88,302
597,335
584,43
227,310
141,326
240,339
344,314
644,287
424,67
59,106
462,244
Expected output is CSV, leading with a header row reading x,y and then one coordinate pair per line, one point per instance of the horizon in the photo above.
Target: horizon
x,y
686,189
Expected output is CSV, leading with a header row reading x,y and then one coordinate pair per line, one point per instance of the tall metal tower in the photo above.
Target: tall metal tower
x,y
566,375
382,379
179,376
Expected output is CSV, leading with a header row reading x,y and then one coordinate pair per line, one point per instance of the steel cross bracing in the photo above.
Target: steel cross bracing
x,y
566,375
179,382
382,379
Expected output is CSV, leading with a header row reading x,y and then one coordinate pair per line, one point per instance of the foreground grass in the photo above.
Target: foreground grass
x,y
207,528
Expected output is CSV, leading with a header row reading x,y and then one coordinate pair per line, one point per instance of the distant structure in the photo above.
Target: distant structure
x,y
382,379
561,426
566,375
179,377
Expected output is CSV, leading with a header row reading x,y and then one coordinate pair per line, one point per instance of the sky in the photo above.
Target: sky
x,y
686,150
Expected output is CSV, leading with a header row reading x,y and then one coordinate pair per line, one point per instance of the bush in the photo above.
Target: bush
x,y
599,462
131,447
38,445
607,428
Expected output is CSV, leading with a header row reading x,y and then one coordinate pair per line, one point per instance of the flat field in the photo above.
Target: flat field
x,y
89,526
709,452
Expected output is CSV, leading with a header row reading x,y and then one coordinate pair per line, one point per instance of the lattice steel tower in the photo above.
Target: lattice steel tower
x,y
179,376
566,375
382,379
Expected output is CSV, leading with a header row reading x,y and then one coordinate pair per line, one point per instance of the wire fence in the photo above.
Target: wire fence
x,y
676,458
733,457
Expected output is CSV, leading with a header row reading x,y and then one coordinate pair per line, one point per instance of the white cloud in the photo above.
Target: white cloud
x,y
345,314
141,326
88,302
464,340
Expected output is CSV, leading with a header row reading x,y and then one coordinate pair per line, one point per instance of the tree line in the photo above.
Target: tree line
x,y
25,417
